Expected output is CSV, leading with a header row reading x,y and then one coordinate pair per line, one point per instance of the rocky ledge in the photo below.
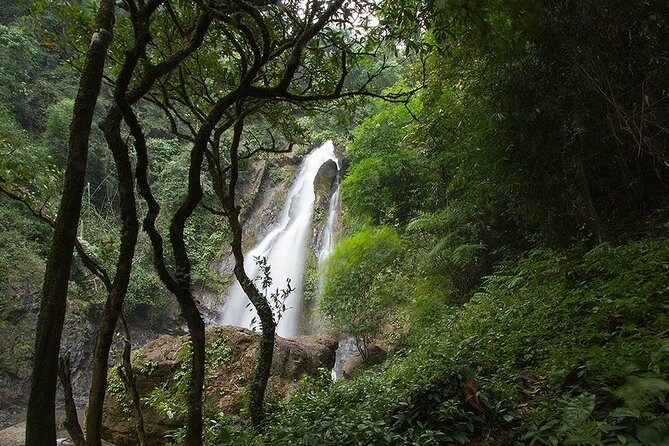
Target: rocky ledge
x,y
162,370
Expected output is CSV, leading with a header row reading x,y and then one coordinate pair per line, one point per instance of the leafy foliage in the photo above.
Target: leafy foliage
x,y
593,375
387,189
354,297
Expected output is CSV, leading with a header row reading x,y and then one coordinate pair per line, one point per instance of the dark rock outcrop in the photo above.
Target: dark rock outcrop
x,y
162,364
17,335
355,364
325,182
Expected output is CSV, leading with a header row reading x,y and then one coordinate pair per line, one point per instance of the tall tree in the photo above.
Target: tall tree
x,y
41,422
127,92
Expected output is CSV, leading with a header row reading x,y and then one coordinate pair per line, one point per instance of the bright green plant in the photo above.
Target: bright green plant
x,y
353,297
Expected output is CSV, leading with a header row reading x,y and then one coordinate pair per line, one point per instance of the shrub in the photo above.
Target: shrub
x,y
354,296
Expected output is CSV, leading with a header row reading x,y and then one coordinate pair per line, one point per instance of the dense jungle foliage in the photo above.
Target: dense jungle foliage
x,y
506,234
505,230
36,94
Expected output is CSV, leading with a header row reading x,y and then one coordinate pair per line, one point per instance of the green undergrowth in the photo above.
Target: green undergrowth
x,y
553,349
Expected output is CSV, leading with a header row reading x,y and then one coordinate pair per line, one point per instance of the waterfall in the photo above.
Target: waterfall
x,y
331,226
285,248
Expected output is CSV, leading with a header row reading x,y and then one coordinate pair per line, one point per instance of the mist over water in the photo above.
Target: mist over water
x,y
285,248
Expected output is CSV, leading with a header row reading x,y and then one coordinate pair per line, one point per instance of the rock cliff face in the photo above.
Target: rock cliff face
x,y
17,331
325,184
162,369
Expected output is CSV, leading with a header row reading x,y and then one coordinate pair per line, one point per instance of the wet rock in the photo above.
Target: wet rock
x,y
354,365
162,364
325,182
17,338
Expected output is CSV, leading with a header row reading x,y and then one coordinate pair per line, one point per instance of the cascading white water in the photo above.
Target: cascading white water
x,y
331,226
285,249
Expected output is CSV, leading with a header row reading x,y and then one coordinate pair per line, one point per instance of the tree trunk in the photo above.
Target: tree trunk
x,y
267,324
194,428
71,419
586,208
116,296
180,285
41,421
128,376
129,220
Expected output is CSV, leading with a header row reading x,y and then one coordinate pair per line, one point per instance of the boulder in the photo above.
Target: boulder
x,y
13,435
162,365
